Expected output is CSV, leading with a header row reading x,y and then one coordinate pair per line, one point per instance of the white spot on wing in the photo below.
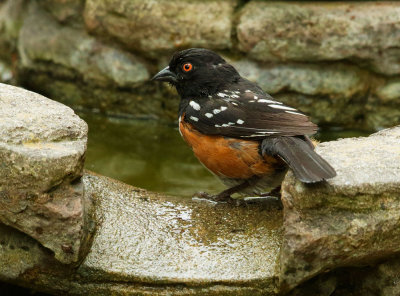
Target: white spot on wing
x,y
239,121
247,90
222,95
225,125
297,113
231,123
223,108
217,125
194,118
216,111
267,132
268,101
209,115
255,98
281,107
235,104
234,96
194,105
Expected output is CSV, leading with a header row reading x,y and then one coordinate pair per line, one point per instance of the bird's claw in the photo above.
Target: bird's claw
x,y
212,198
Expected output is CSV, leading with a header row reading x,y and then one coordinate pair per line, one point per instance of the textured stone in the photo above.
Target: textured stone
x,y
390,91
18,253
174,241
65,11
383,280
336,80
352,219
146,101
334,94
42,148
378,116
367,33
149,244
11,18
46,46
6,74
151,27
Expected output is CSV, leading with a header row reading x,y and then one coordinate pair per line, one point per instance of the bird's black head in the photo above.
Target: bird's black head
x,y
198,72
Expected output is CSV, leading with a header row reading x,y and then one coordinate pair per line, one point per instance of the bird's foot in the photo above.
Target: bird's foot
x,y
221,197
276,192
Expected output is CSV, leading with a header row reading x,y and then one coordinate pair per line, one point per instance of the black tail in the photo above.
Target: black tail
x,y
300,156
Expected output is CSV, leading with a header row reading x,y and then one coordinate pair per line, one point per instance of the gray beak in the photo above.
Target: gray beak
x,y
165,75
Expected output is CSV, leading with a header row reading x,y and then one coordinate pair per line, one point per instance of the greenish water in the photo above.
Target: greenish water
x,y
152,155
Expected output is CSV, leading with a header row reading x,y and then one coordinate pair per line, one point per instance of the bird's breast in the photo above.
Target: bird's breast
x,y
228,157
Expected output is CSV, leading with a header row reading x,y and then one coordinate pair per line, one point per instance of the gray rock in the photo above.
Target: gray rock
x,y
382,280
45,45
368,33
389,92
149,244
42,148
6,74
145,101
151,27
332,94
163,240
19,253
65,11
336,80
352,219
11,18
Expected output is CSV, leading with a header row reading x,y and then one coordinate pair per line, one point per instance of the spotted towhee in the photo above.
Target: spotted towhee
x,y
240,133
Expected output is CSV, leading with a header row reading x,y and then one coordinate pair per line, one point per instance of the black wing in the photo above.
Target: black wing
x,y
245,111
307,165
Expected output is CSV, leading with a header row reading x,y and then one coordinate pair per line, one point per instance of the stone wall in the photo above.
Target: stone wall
x,y
68,231
338,62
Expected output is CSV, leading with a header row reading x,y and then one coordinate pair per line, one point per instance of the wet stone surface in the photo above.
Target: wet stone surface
x,y
150,238
150,244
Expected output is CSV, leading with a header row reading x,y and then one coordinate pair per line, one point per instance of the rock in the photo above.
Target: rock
x,y
46,46
191,242
381,109
11,18
366,33
380,116
336,80
350,220
151,27
390,91
382,280
65,11
6,74
334,94
18,253
42,149
147,243
147,101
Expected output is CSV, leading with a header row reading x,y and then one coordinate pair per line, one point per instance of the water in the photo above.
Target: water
x,y
152,155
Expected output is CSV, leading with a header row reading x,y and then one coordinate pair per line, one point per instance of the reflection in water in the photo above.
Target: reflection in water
x,y
152,155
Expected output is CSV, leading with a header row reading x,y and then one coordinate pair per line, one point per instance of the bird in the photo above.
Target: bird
x,y
237,131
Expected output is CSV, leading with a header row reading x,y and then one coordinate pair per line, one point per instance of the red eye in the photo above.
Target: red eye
x,y
187,67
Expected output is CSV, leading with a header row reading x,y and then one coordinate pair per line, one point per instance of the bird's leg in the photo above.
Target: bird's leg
x,y
226,194
274,192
